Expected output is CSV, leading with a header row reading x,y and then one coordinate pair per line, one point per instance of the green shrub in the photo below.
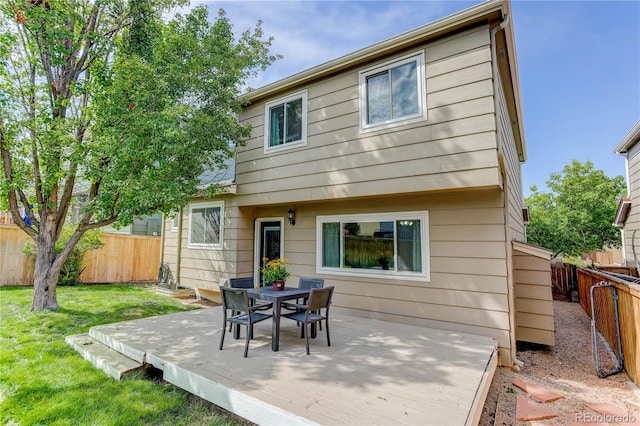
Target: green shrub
x,y
72,267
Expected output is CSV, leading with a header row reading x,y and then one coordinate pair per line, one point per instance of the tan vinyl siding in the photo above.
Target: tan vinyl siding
x,y
534,302
205,267
633,219
453,149
467,290
170,247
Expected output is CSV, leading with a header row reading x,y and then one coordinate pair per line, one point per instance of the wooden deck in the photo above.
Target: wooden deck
x,y
375,372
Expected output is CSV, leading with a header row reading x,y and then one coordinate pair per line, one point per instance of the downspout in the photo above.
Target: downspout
x,y
633,235
163,235
179,248
498,122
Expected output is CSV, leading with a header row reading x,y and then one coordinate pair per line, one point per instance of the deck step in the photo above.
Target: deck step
x,y
103,357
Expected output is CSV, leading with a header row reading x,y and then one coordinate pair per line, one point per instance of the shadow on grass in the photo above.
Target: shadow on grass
x,y
44,381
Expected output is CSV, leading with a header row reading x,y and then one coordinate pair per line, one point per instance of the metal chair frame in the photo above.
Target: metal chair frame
x,y
237,301
319,299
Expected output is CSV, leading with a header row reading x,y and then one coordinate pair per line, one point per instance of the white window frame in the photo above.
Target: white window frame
x,y
423,216
210,204
267,123
175,222
421,87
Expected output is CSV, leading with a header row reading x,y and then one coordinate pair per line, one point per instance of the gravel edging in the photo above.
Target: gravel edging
x,y
567,368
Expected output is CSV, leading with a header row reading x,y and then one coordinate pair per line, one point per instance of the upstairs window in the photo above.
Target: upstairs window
x,y
393,93
286,122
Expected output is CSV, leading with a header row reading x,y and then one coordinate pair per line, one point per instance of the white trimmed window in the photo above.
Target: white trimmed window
x,y
385,245
175,222
286,122
393,93
205,225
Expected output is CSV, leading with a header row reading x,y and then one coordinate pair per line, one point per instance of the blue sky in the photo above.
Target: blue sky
x,y
579,63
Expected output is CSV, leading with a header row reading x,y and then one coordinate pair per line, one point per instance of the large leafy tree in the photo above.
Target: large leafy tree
x,y
106,96
576,216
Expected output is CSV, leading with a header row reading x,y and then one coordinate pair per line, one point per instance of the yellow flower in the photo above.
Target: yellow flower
x,y
275,270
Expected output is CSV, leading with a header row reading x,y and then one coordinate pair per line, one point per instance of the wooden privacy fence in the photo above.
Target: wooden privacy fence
x,y
15,267
564,277
563,280
123,258
628,310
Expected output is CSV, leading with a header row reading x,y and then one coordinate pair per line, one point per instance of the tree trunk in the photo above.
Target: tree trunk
x,y
46,273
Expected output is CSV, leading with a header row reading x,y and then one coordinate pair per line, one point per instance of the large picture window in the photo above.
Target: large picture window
x,y
393,93
205,225
389,245
286,122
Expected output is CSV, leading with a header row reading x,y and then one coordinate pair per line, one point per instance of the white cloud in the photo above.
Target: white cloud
x,y
309,33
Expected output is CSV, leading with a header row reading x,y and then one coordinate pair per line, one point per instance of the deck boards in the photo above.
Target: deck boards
x,y
375,372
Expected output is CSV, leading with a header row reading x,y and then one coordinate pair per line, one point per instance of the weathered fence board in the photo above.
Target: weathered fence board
x,y
629,313
123,258
564,277
15,267
562,280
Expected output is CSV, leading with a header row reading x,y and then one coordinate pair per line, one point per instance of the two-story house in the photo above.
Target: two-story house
x,y
628,214
393,172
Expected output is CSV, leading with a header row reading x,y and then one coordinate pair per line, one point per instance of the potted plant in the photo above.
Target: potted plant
x,y
385,259
275,272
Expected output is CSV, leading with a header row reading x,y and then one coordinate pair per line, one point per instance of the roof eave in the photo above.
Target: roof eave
x,y
518,126
623,211
478,13
532,250
632,138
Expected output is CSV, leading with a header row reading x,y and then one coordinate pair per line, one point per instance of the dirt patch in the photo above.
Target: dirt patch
x,y
566,368
185,296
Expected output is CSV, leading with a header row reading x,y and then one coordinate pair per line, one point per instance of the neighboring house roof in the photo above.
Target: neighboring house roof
x,y
224,178
631,139
491,12
623,211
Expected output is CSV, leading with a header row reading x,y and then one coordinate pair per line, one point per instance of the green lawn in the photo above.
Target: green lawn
x,y
44,381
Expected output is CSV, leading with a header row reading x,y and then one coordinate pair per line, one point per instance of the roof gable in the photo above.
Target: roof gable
x,y
491,12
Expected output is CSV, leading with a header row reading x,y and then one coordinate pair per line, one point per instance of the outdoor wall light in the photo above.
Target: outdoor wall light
x,y
291,215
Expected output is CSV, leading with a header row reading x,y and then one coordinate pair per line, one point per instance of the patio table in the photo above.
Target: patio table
x,y
270,295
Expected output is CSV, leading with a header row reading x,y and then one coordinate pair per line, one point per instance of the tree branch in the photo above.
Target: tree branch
x,y
13,202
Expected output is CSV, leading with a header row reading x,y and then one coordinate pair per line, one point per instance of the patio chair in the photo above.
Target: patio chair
x,y
310,313
236,300
247,282
307,284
